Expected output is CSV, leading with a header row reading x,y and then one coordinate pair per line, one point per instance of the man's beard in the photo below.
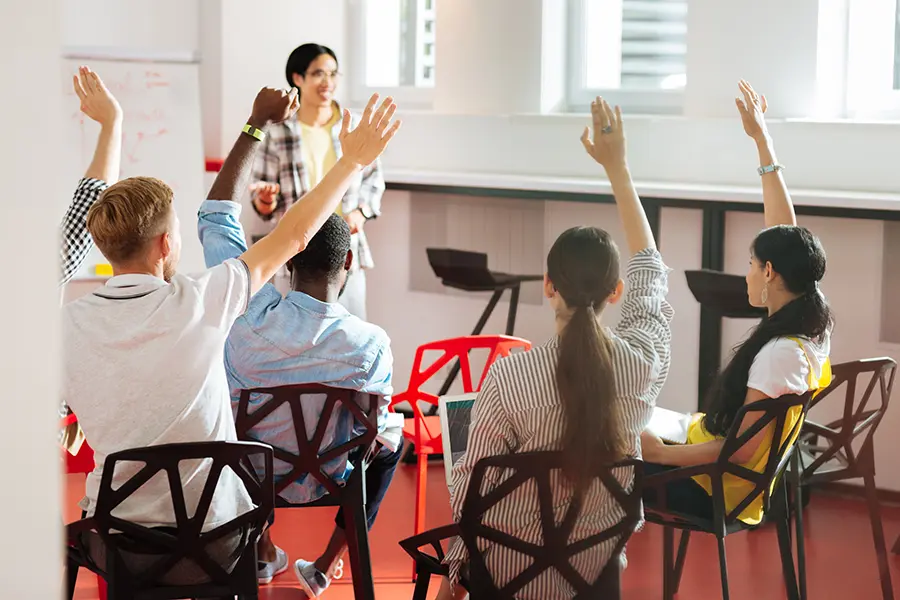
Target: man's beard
x,y
168,270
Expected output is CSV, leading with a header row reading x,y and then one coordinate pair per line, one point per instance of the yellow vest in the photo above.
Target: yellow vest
x,y
736,489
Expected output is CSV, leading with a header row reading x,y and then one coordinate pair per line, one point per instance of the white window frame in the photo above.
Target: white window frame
x,y
410,97
871,31
655,102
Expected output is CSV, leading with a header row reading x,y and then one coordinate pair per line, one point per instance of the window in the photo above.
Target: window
x,y
897,46
632,51
396,51
873,59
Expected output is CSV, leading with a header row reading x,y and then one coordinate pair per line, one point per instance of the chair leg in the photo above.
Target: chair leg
x,y
421,483
801,540
884,570
358,541
71,578
679,560
782,518
423,580
723,568
668,542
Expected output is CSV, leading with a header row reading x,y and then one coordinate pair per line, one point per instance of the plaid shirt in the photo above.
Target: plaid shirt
x,y
279,161
76,241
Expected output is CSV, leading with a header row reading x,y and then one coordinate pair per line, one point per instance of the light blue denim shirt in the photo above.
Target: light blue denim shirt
x,y
292,340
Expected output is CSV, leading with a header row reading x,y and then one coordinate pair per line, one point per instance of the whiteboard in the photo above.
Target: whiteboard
x,y
161,137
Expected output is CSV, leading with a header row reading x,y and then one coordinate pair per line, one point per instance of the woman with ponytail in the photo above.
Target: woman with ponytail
x,y
588,392
787,353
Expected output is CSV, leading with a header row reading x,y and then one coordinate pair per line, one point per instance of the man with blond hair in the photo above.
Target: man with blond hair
x,y
144,354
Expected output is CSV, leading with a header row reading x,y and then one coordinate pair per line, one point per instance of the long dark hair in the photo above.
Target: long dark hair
x,y
583,266
798,257
299,60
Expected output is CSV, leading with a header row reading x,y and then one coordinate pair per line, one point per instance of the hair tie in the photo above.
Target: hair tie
x,y
812,287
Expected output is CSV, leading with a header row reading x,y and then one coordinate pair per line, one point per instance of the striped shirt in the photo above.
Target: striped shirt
x,y
519,410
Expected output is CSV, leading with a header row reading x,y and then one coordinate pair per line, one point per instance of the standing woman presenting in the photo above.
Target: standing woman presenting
x,y
296,154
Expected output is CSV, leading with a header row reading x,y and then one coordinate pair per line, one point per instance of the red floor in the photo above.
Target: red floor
x,y
840,554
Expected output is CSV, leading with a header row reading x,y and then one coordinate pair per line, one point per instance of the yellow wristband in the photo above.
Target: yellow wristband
x,y
251,130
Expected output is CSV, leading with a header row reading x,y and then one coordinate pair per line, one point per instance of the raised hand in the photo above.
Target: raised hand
x,y
607,144
366,143
274,106
265,197
97,102
753,109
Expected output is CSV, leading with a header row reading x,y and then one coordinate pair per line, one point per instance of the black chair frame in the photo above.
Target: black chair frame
x,y
827,453
770,412
556,551
311,457
184,541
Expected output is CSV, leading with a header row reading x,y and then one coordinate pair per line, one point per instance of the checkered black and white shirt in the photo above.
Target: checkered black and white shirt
x,y
76,241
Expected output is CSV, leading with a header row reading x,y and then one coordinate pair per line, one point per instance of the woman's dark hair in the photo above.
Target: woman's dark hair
x,y
798,257
299,60
583,266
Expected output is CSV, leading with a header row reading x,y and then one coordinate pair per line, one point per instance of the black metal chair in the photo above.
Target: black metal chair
x,y
556,551
828,453
771,412
139,560
312,457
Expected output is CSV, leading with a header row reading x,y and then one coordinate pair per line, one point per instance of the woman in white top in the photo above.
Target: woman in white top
x,y
588,393
787,353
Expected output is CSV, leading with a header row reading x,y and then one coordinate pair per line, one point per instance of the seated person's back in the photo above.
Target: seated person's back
x,y
588,393
303,337
143,355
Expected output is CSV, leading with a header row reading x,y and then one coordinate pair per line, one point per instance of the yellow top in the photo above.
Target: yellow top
x,y
317,150
736,489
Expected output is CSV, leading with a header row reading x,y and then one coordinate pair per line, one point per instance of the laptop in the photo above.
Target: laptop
x,y
455,413
670,426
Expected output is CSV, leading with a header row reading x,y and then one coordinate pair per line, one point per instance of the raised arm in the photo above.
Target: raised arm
x,y
100,105
301,222
779,210
607,147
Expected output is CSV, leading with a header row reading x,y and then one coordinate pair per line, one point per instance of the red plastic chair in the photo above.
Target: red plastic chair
x,y
83,462
425,431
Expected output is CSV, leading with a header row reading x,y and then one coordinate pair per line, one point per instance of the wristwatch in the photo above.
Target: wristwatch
x,y
366,212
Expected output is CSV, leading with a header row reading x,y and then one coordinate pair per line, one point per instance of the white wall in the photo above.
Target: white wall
x,y
29,307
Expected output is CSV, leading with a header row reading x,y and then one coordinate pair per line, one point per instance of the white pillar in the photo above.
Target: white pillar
x,y
31,560
771,43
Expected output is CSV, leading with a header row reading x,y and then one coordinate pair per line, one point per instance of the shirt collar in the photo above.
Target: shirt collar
x,y
326,309
133,280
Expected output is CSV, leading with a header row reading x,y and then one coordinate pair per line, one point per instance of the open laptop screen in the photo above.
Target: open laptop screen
x,y
455,413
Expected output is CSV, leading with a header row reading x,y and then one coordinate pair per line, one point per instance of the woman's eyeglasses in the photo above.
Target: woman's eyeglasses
x,y
319,75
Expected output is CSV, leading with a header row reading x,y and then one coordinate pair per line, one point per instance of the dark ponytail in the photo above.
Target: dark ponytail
x,y
798,257
583,266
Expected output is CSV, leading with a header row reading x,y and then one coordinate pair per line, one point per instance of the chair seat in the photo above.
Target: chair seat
x,y
431,442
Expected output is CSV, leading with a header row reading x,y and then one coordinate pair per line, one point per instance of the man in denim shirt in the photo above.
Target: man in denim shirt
x,y
304,337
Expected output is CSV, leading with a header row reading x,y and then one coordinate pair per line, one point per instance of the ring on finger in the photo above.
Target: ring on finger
x,y
607,129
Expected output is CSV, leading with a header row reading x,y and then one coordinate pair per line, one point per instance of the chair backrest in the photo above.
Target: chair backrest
x,y
771,413
860,416
557,549
312,454
185,541
455,349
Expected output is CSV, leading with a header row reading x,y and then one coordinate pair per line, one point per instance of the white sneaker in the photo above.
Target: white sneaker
x,y
266,571
313,581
